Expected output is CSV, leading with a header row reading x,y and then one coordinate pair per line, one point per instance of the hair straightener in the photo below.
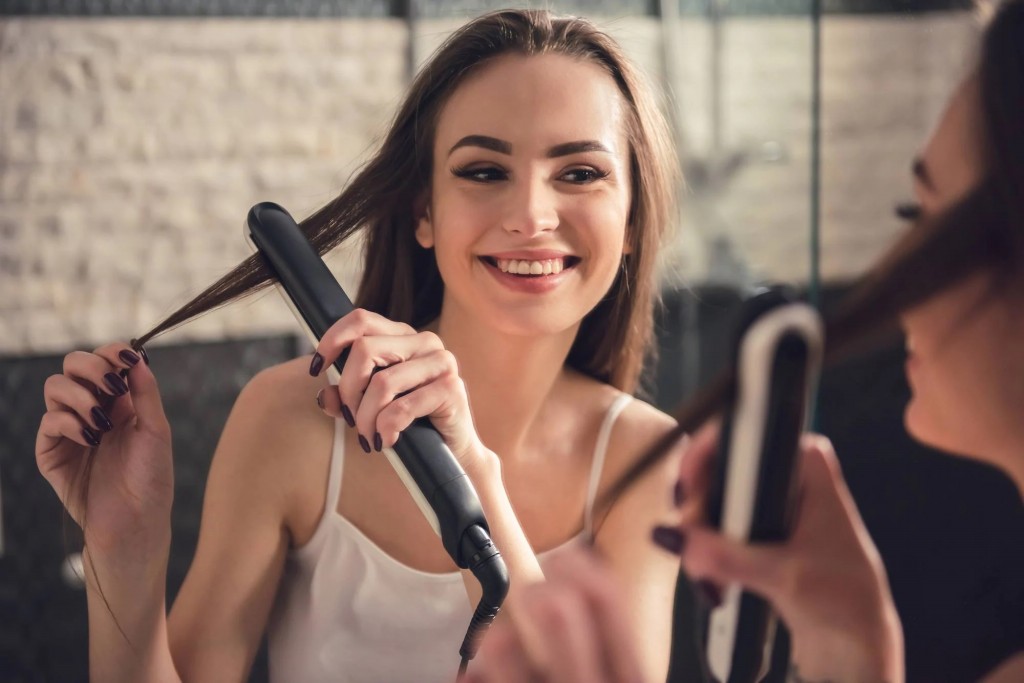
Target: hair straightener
x,y
777,355
421,458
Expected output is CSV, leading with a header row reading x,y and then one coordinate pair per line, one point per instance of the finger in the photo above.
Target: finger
x,y
64,394
148,406
340,336
501,658
369,355
583,568
54,428
696,468
762,568
329,401
401,393
94,371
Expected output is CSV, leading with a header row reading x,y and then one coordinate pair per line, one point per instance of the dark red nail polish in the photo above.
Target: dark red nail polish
x,y
364,444
91,437
320,399
678,494
116,384
347,414
708,593
134,343
100,419
668,538
378,443
316,365
128,357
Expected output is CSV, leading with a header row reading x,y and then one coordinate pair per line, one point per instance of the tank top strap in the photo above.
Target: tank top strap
x,y
597,463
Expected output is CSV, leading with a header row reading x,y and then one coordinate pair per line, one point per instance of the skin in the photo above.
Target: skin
x,y
489,373
827,581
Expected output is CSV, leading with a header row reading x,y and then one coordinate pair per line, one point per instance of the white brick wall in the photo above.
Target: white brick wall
x,y
131,149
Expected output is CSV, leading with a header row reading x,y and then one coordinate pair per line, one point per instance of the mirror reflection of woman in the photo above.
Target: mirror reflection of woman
x,y
512,218
955,284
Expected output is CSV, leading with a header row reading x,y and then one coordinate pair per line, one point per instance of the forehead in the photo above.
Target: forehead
x,y
953,152
537,100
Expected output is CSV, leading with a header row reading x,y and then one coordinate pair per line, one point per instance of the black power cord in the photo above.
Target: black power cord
x,y
484,560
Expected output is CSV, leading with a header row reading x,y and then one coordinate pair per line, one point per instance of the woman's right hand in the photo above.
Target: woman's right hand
x,y
826,581
104,444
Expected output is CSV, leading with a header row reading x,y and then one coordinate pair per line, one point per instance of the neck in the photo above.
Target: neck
x,y
508,377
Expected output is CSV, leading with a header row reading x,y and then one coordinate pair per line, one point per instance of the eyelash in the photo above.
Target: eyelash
x,y
491,171
908,211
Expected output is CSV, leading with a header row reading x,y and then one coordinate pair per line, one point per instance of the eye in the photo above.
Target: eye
x,y
480,174
582,176
908,211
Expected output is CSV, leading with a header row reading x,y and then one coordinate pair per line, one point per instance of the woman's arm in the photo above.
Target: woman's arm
x,y
221,611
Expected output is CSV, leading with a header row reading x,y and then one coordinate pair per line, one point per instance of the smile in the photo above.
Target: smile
x,y
532,268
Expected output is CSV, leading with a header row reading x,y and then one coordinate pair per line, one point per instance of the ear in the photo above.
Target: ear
x,y
425,229
630,238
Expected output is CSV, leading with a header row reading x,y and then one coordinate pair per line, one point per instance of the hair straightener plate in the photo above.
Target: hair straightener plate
x,y
777,357
420,457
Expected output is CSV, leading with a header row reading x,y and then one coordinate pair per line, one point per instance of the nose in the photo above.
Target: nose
x,y
532,208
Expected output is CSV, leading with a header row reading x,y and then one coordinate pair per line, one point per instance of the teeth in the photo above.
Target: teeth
x,y
523,267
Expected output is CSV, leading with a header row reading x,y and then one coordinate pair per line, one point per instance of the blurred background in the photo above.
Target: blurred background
x,y
135,135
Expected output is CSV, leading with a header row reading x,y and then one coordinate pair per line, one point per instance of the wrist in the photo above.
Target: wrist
x,y
868,653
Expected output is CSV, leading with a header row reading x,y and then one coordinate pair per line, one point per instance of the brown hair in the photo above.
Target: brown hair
x,y
401,279
983,231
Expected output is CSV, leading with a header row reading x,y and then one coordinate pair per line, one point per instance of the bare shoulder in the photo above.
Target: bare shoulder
x,y
638,429
277,441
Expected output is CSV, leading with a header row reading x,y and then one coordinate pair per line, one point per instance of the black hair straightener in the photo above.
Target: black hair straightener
x,y
777,356
422,460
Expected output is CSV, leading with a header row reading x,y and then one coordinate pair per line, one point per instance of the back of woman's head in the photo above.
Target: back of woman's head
x,y
400,279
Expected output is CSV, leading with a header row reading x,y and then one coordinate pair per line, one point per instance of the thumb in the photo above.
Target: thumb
x,y
708,554
149,407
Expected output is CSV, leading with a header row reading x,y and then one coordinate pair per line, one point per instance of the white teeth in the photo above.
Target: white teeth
x,y
524,267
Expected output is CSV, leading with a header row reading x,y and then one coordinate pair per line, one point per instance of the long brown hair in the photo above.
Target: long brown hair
x,y
401,280
983,231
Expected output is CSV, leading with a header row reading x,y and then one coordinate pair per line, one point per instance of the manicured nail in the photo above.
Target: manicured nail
x,y
100,419
129,357
91,437
347,414
320,399
708,593
116,384
134,343
364,444
378,443
316,365
668,538
678,494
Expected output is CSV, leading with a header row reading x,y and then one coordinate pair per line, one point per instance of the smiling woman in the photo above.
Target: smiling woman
x,y
512,216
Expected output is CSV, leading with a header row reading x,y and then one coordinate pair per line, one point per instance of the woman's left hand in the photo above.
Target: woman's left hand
x,y
395,374
572,627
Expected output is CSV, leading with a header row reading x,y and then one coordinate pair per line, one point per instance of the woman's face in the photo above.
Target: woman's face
x,y
530,194
965,360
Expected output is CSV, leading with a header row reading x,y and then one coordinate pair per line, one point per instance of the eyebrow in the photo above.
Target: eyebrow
x,y
920,171
503,147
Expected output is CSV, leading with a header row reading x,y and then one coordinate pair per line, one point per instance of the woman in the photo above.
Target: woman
x,y
956,286
512,217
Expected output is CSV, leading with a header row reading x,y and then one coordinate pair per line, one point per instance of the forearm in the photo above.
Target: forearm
x,y
506,532
871,654
128,638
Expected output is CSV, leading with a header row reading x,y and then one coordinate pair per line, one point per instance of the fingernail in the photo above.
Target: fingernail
x,y
708,593
668,538
378,443
364,444
320,399
101,419
128,357
134,343
316,365
678,495
91,437
347,414
116,384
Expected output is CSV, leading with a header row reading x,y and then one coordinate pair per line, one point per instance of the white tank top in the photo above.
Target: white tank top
x,y
347,612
